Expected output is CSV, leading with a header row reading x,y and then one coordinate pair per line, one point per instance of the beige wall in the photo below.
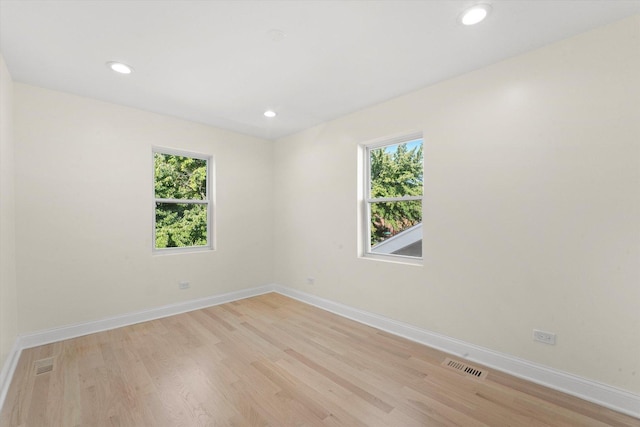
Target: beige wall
x,y
531,212
8,299
84,210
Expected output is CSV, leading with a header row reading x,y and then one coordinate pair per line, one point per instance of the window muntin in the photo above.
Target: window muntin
x,y
182,201
394,172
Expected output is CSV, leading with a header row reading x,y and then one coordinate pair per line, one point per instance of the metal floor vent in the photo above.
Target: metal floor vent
x,y
464,368
43,365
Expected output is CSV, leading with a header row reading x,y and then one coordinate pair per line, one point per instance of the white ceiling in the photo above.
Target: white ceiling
x,y
216,62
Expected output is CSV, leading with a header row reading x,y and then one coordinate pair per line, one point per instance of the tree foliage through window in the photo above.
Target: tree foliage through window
x,y
181,201
396,171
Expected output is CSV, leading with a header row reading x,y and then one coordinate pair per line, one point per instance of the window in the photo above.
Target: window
x,y
182,201
393,188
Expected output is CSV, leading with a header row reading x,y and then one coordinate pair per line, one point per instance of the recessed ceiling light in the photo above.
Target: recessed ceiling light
x,y
269,113
475,14
119,67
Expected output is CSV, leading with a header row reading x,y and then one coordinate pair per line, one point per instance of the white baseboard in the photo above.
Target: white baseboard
x,y
592,391
601,394
8,369
80,329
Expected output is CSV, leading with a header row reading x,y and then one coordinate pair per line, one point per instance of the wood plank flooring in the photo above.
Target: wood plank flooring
x,y
271,361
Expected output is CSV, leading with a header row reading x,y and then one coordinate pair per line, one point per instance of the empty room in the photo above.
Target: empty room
x,y
319,213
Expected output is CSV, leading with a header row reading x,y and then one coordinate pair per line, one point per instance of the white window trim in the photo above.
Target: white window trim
x,y
366,199
210,202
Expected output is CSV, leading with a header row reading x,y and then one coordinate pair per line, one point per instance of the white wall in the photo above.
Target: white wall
x,y
8,299
84,210
531,212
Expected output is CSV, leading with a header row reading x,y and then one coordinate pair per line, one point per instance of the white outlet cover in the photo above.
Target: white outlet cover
x,y
544,337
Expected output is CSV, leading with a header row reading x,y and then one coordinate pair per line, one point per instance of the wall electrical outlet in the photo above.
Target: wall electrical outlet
x,y
184,285
544,337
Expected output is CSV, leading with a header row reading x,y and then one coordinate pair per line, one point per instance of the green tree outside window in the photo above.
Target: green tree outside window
x,y
181,201
395,171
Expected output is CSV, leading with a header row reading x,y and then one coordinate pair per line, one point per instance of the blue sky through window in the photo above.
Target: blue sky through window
x,y
410,146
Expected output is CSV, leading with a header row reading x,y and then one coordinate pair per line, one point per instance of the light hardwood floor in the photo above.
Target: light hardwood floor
x,y
271,360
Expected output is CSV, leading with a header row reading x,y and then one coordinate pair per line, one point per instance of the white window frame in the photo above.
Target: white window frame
x,y
209,201
366,199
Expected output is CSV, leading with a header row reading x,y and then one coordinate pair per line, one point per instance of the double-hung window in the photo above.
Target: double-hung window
x,y
393,190
183,205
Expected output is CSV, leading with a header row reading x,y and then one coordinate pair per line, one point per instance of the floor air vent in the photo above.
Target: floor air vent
x,y
44,365
464,368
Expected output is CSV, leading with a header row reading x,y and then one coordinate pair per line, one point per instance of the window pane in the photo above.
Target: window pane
x,y
396,228
178,177
181,224
396,170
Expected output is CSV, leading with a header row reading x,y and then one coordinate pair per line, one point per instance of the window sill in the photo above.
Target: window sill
x,y
395,259
184,250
